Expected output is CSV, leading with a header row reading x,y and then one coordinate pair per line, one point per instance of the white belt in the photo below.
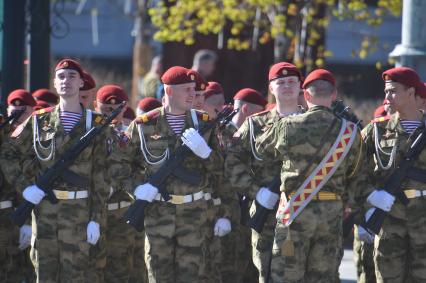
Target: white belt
x,y
5,204
217,201
65,195
414,193
118,205
182,199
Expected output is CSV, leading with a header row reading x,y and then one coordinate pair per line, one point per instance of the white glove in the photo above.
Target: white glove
x,y
266,198
192,139
24,237
146,192
33,194
222,227
365,236
93,232
381,199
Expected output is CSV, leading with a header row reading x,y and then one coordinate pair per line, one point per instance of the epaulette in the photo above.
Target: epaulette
x,y
98,118
202,115
149,116
43,110
381,119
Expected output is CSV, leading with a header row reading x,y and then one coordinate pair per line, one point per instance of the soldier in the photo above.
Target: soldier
x,y
120,237
14,262
200,88
320,155
147,103
247,171
46,96
88,91
176,231
62,232
214,99
400,247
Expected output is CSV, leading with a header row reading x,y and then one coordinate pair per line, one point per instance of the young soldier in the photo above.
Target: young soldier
x,y
88,91
320,154
63,232
214,99
177,230
247,171
400,247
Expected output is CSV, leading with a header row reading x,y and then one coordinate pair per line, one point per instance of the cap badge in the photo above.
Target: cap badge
x,y
284,72
192,77
65,64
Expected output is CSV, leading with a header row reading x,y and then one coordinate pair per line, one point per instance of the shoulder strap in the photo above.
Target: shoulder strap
x,y
89,117
194,118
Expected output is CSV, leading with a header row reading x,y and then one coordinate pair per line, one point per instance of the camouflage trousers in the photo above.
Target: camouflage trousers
x,y
245,264
15,265
60,252
317,238
363,257
175,242
120,239
400,247
262,245
138,274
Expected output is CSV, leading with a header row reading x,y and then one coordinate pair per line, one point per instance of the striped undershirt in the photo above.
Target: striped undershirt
x,y
176,122
410,126
69,119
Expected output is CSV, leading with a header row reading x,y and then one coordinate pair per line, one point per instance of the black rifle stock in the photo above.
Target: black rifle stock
x,y
257,221
135,214
46,179
13,116
393,183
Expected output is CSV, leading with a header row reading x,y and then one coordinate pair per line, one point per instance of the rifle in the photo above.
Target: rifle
x,y
13,116
257,221
393,183
46,179
135,214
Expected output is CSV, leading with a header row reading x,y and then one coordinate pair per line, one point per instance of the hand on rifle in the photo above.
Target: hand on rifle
x,y
146,192
33,194
381,199
192,139
266,198
222,227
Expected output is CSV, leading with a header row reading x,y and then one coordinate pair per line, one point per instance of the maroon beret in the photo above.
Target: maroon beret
x,y
40,104
200,82
69,64
407,77
251,96
284,69
213,88
111,94
45,95
178,75
129,114
89,82
319,74
21,97
148,103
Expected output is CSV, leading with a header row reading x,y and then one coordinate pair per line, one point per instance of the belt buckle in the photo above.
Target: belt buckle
x,y
177,199
410,193
61,194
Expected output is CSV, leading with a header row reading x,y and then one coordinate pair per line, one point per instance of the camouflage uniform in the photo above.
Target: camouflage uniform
x,y
60,252
363,257
400,247
248,174
120,237
316,234
176,234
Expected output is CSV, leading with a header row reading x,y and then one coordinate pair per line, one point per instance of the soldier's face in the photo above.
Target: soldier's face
x,y
107,108
181,97
400,97
214,104
87,97
198,100
67,82
28,110
285,89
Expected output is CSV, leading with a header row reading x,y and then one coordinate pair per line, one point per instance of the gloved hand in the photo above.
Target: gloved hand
x,y
146,192
192,139
24,237
381,199
365,236
222,227
266,198
93,232
33,194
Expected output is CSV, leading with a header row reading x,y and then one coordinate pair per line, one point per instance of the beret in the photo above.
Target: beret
x,y
40,104
407,77
69,64
111,94
21,97
89,82
200,82
178,75
213,88
43,94
148,103
319,74
251,96
284,69
129,114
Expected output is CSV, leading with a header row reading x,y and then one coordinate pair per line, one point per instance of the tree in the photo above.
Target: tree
x,y
297,27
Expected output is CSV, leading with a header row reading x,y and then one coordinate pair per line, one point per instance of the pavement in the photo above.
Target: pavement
x,y
347,268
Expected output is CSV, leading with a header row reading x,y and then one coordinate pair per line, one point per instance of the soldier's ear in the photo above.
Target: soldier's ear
x,y
307,96
81,83
168,90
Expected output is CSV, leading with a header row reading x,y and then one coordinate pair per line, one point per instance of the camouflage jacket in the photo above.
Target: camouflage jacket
x,y
158,139
295,140
390,133
21,163
242,166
